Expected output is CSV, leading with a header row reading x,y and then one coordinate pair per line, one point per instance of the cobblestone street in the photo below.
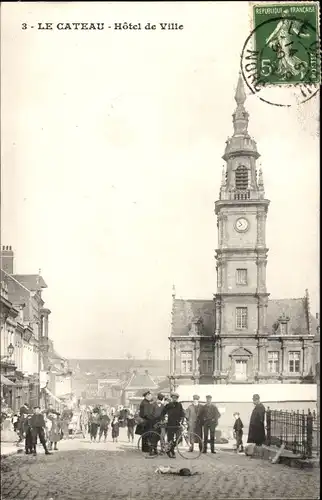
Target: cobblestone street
x,y
83,471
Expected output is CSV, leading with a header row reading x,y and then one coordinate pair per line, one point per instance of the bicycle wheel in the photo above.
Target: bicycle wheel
x,y
185,447
152,442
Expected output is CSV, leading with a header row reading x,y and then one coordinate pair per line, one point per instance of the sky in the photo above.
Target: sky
x,y
111,163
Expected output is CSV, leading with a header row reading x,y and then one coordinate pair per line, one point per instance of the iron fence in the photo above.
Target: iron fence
x,y
298,431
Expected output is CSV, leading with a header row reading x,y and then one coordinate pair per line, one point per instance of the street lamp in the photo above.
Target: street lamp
x,y
10,350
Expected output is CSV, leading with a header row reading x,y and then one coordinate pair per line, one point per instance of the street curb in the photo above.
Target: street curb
x,y
268,453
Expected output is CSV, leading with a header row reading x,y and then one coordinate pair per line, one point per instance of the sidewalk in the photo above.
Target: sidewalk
x,y
9,449
8,442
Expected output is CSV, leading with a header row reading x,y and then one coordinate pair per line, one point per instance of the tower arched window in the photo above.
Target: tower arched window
x,y
241,177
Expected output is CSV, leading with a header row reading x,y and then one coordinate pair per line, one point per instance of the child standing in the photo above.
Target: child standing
x,y
54,434
115,429
130,427
238,433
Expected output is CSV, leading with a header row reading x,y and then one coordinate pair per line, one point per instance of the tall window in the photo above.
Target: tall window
x,y
207,365
294,361
241,318
273,362
241,178
241,276
186,361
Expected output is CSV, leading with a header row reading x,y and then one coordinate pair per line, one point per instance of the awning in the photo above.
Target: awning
x,y
6,381
53,395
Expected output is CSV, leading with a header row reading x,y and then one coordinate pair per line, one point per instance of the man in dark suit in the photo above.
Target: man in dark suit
x,y
175,412
146,420
193,414
37,424
157,408
209,417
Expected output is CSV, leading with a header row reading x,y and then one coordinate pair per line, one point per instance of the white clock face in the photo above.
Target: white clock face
x,y
242,224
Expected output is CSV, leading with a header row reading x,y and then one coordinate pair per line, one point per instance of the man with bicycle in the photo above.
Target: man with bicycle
x,y
175,412
158,426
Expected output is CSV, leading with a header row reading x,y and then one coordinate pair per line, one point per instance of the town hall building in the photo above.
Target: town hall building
x,y
241,336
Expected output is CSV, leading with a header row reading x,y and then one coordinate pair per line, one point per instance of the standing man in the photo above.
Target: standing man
x,y
104,421
175,412
145,416
193,415
210,416
256,431
28,435
37,424
23,413
157,409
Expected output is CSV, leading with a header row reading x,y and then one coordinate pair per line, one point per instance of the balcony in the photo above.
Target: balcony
x,y
242,195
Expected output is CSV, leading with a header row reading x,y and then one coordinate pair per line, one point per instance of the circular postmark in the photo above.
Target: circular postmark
x,y
280,60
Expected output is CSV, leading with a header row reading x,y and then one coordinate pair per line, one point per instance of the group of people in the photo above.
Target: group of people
x,y
96,421
32,425
202,420
163,415
169,416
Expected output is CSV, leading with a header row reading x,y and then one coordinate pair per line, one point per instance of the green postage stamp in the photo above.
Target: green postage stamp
x,y
287,43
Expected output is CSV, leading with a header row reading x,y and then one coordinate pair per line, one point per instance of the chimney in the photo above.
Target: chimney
x,y
7,256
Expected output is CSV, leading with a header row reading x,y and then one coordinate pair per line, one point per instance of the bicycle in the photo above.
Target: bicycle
x,y
188,444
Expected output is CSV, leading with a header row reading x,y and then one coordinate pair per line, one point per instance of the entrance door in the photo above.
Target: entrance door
x,y
241,369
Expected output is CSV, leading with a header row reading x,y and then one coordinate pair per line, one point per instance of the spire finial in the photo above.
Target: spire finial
x,y
240,95
173,291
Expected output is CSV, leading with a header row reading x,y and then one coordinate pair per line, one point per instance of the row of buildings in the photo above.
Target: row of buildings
x,y
31,370
118,381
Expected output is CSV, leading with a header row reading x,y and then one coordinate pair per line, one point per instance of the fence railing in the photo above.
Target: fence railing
x,y
298,431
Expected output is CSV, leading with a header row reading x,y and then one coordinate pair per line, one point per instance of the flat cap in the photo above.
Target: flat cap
x,y
209,396
146,393
256,397
195,396
174,394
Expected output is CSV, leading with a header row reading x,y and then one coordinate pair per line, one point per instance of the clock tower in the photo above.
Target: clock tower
x,y
241,257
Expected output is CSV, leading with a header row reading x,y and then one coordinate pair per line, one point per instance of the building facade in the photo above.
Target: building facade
x,y
25,344
241,336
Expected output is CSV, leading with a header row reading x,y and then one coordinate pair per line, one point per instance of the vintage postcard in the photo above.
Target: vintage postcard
x,y
160,330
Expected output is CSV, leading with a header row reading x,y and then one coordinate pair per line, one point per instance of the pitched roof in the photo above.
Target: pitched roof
x,y
295,309
112,368
140,381
31,281
9,278
185,313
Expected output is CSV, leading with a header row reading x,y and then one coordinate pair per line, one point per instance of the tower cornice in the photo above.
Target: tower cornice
x,y
219,204
250,250
233,153
242,294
